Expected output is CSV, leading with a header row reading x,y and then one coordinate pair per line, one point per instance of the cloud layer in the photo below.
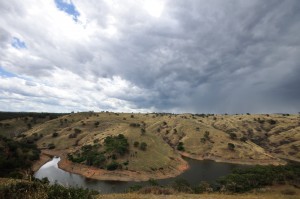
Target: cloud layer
x,y
154,55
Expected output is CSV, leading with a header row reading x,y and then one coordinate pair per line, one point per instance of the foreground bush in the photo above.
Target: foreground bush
x,y
37,189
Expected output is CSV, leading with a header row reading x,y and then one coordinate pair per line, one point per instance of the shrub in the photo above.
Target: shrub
x,y
113,166
51,146
136,144
143,146
134,188
272,122
206,135
231,146
134,125
143,131
77,131
180,146
55,134
72,135
202,187
181,185
243,139
233,136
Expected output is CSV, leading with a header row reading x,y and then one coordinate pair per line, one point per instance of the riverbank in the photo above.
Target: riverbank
x,y
263,162
44,158
101,174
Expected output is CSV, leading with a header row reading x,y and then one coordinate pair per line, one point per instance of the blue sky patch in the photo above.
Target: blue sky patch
x,y
17,43
4,73
68,8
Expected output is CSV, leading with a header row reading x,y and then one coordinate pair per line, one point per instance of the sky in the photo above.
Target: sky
x,y
179,56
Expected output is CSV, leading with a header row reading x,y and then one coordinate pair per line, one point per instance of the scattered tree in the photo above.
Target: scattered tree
x,y
143,146
55,134
180,146
136,144
233,136
231,146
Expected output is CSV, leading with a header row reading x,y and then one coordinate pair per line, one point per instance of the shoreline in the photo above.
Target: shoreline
x,y
43,160
235,161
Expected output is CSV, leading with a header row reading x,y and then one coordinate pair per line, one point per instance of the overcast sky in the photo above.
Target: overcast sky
x,y
199,56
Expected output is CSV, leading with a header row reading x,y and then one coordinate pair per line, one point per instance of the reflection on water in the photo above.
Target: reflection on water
x,y
205,170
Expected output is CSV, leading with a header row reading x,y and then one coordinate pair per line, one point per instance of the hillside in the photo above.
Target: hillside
x,y
244,139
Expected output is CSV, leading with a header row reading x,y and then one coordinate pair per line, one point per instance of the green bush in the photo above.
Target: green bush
x,y
15,156
116,144
41,189
231,146
143,146
242,180
55,134
180,146
113,166
136,144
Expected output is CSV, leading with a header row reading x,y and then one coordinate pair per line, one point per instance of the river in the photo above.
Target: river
x,y
204,170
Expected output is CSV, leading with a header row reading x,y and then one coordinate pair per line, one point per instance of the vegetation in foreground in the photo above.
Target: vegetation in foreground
x,y
16,157
42,190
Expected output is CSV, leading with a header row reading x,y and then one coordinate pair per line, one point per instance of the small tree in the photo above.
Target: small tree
x,y
243,139
51,146
233,136
143,131
143,146
180,146
55,134
231,146
96,124
77,131
136,144
206,135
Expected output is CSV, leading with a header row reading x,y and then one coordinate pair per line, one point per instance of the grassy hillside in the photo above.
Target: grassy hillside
x,y
246,139
13,124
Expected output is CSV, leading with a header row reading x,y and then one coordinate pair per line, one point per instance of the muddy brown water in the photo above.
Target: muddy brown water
x,y
204,170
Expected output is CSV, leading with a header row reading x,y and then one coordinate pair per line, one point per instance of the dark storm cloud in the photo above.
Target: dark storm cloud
x,y
229,47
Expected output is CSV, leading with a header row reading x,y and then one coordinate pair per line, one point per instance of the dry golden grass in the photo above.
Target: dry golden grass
x,y
266,142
